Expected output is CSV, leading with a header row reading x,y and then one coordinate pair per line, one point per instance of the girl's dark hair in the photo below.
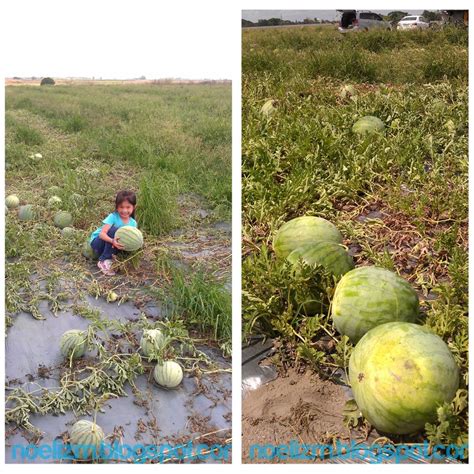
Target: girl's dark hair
x,y
129,196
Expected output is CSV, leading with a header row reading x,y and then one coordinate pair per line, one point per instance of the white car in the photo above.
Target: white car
x,y
412,22
353,20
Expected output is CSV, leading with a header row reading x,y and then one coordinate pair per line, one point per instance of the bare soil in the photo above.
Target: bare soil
x,y
300,407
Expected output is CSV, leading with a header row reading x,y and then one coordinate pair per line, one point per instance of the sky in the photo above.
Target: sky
x,y
118,39
294,15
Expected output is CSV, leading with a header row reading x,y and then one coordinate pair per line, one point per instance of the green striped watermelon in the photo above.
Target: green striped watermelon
x,y
73,343
62,219
268,108
68,232
302,231
368,124
85,439
12,201
152,341
54,201
168,374
331,256
130,237
369,296
400,373
54,190
26,212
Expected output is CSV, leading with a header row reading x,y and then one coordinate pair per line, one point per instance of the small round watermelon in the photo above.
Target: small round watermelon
x,y
152,341
168,374
302,231
62,219
26,212
54,190
331,256
12,201
77,199
87,437
130,237
54,201
368,124
369,296
68,232
73,343
347,91
269,108
400,373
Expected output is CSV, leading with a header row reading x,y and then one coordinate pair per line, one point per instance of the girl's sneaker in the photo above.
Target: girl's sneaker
x,y
106,267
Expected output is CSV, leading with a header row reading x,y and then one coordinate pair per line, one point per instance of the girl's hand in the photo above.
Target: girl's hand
x,y
117,244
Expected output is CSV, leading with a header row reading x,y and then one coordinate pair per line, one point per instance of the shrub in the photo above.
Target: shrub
x,y
47,81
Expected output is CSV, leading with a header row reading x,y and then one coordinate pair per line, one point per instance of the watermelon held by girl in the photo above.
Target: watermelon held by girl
x,y
302,231
400,373
130,237
369,296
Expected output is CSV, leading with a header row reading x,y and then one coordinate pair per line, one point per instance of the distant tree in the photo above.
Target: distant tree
x,y
47,81
247,23
432,16
142,78
270,22
395,17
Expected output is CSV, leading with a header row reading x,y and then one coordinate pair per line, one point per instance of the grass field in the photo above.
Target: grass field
x,y
400,198
171,144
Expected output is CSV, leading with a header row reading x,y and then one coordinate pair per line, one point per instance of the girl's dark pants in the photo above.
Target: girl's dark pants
x,y
102,248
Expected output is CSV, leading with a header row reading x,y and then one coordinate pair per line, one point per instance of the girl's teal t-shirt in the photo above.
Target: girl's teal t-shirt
x,y
113,219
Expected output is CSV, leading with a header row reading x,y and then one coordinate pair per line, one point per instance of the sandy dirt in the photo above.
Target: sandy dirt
x,y
299,407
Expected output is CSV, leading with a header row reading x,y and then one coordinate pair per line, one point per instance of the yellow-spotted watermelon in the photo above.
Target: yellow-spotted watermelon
x,y
400,373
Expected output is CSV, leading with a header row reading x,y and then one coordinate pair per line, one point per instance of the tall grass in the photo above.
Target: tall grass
x,y
183,130
203,303
157,210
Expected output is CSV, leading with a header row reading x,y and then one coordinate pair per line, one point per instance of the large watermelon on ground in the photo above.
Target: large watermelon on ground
x,y
130,237
26,212
168,374
331,256
73,343
369,296
62,219
12,201
85,439
302,231
368,124
400,373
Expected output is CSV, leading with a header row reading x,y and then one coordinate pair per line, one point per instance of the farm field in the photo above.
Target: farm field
x,y
171,144
399,199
